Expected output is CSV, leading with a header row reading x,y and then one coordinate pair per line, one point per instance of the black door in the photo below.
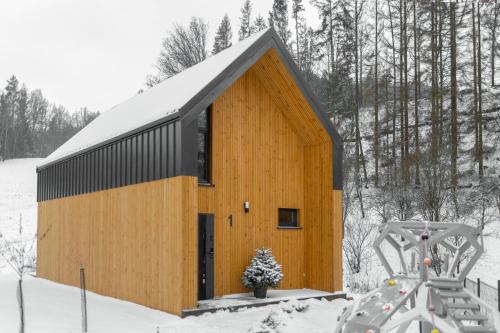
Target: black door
x,y
205,256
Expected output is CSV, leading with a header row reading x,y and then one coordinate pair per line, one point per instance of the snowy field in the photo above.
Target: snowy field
x,y
55,308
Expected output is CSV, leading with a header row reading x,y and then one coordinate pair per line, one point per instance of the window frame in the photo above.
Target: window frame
x,y
207,132
295,216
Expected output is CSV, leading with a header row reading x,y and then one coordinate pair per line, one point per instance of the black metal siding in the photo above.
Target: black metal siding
x,y
149,155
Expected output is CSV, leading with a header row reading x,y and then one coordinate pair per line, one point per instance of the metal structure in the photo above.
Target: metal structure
x,y
417,294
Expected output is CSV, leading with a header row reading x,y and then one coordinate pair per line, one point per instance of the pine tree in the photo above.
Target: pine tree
x,y
22,136
245,20
278,20
263,271
8,117
223,36
259,24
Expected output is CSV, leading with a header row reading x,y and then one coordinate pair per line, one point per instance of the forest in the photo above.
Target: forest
x,y
31,126
413,88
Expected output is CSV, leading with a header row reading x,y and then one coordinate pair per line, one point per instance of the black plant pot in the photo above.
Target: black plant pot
x,y
260,292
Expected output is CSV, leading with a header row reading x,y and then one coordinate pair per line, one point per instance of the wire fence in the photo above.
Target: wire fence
x,y
484,291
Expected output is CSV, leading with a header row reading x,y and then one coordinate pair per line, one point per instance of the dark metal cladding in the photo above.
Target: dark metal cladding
x,y
167,147
207,96
144,156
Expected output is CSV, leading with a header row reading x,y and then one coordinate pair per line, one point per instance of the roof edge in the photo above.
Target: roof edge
x,y
170,118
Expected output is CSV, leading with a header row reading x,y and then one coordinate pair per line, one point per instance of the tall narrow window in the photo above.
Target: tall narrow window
x,y
204,145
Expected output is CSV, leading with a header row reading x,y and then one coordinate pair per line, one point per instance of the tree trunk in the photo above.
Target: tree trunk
x,y
494,24
356,111
434,127
387,152
441,75
376,129
394,92
474,61
401,92
454,127
332,59
415,65
479,92
20,300
406,133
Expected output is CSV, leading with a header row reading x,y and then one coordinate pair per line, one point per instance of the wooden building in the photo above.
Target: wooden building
x,y
165,197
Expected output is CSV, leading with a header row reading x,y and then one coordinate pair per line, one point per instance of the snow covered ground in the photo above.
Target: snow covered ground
x,y
55,308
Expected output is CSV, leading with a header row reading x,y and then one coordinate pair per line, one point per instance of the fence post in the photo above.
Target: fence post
x,y
498,294
479,287
465,282
84,299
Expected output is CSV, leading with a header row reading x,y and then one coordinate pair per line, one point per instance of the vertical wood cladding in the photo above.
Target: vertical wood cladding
x,y
146,156
267,150
137,243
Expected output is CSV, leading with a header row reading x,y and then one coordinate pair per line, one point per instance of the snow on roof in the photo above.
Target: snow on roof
x,y
154,104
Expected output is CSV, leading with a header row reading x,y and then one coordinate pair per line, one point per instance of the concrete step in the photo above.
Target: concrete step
x,y
472,317
477,329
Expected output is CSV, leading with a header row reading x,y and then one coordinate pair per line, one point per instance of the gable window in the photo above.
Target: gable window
x,y
204,145
288,218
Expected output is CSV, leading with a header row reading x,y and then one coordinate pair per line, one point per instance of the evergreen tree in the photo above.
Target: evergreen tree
x,y
263,271
245,20
7,119
22,136
223,36
28,129
278,20
259,24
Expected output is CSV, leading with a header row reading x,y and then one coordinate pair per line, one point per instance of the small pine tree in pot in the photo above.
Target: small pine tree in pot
x,y
263,272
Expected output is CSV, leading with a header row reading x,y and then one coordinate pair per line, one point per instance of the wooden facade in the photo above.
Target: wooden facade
x,y
139,242
261,155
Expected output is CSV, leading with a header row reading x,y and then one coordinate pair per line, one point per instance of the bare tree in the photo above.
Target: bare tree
x,y
20,255
357,240
182,48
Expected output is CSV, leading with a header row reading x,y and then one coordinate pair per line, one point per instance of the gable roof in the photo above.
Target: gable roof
x,y
186,94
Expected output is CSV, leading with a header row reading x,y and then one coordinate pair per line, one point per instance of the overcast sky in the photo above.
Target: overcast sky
x,y
96,53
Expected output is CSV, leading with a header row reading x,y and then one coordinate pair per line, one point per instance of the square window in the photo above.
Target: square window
x,y
288,218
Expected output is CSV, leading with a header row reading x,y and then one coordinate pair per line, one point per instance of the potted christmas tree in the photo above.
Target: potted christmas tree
x,y
263,272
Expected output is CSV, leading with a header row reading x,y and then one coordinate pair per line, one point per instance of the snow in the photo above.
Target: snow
x,y
155,103
272,295
18,194
55,308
